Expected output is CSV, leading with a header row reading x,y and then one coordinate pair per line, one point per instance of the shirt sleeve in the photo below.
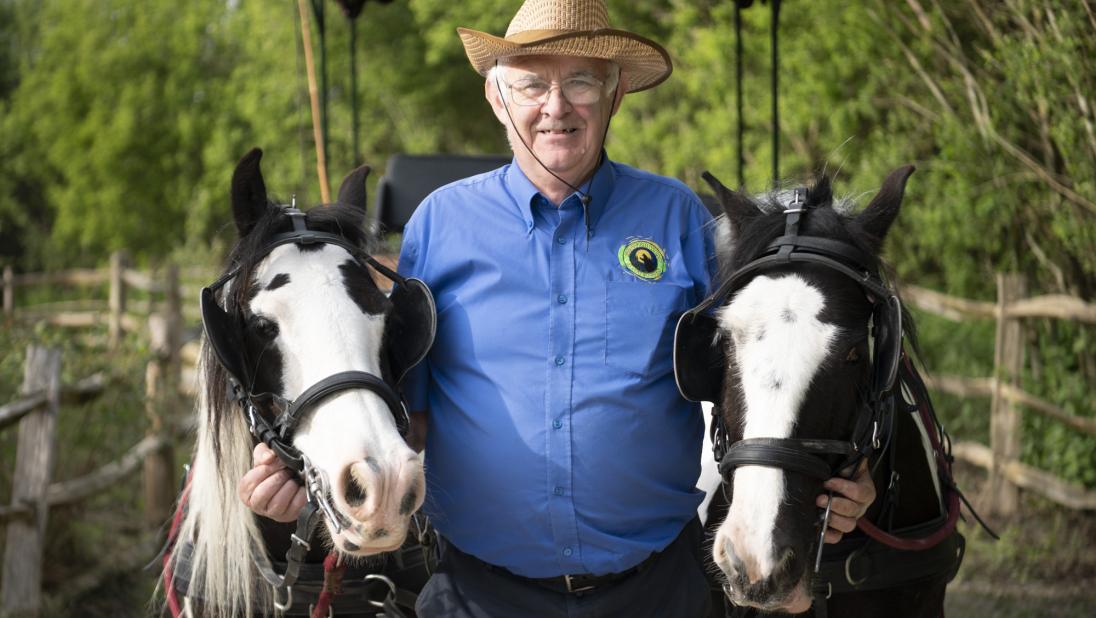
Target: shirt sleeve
x,y
415,382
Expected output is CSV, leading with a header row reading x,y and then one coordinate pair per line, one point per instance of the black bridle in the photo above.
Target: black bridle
x,y
414,316
810,457
278,434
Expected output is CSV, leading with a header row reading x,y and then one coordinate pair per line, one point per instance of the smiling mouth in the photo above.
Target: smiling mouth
x,y
557,131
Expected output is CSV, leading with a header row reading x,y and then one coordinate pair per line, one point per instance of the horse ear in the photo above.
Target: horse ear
x,y
738,206
352,190
249,201
877,218
821,193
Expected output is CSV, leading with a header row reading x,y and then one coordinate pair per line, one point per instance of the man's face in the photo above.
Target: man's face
x,y
566,137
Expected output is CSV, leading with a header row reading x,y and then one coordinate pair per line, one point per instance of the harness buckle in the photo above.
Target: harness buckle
x,y
571,587
387,582
316,491
299,541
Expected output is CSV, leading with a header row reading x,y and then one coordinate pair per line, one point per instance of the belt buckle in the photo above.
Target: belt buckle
x,y
570,586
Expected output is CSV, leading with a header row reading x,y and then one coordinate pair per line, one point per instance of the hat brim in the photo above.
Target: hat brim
x,y
645,62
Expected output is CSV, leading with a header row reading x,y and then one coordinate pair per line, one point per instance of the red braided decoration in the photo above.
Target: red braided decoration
x,y
172,536
332,584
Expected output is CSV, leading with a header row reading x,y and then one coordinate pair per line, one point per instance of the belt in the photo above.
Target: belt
x,y
570,584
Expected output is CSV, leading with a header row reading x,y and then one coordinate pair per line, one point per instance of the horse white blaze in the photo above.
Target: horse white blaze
x,y
779,344
322,331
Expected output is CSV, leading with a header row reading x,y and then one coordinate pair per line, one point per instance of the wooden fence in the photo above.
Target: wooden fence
x,y
43,399
1007,474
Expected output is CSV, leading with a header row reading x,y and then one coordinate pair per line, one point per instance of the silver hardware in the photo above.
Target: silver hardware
x,y
571,588
875,435
282,606
848,571
330,610
391,588
299,541
822,535
316,492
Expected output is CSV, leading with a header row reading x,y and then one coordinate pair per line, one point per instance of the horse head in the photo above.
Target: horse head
x,y
303,351
797,372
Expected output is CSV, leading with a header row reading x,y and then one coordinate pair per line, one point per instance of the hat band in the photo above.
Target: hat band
x,y
526,37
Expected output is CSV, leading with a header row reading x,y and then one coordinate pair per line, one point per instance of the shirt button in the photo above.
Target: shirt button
x,y
561,240
557,423
560,360
562,298
567,551
558,491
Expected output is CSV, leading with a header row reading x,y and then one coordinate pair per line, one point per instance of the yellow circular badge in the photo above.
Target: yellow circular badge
x,y
643,258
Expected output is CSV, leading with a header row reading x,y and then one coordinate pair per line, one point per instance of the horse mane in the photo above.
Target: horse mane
x,y
221,528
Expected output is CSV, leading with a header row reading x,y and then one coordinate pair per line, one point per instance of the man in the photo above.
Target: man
x,y
561,460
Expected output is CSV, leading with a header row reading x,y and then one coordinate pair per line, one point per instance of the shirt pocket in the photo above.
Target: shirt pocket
x,y
639,325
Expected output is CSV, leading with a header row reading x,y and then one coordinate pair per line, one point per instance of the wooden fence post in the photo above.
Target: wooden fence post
x,y
1008,364
160,392
22,568
9,291
117,295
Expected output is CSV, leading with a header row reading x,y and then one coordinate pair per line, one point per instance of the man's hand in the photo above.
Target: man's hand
x,y
269,488
851,500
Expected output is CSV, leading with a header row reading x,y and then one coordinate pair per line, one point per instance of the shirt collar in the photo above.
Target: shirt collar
x,y
600,189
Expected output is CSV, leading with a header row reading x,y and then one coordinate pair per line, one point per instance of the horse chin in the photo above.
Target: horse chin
x,y
796,601
355,542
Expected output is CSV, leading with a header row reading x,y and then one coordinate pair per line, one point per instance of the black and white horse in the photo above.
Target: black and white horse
x,y
804,389
298,352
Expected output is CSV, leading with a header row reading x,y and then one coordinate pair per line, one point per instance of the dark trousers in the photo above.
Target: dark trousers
x,y
672,585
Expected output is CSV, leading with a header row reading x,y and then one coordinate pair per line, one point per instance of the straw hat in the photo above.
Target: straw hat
x,y
570,28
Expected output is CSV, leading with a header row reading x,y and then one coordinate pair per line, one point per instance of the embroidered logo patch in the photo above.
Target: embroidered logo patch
x,y
643,258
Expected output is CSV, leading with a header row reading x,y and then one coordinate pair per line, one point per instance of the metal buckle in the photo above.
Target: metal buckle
x,y
315,489
388,582
571,588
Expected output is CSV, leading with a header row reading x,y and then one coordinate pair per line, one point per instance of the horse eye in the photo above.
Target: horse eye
x,y
267,329
853,356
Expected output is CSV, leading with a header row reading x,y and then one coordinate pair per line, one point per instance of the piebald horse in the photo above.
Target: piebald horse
x,y
800,351
302,350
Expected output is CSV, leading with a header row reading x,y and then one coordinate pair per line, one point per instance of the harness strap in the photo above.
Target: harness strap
x,y
345,380
788,454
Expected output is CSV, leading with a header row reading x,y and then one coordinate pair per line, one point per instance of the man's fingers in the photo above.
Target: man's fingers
x,y
278,506
860,491
841,523
832,536
263,455
841,506
266,490
252,479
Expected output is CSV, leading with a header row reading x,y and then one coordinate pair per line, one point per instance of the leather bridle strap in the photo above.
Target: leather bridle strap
x,y
346,380
785,453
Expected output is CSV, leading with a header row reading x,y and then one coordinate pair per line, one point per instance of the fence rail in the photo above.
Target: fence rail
x,y
1001,457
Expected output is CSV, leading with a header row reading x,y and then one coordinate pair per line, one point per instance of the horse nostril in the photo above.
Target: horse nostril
x,y
355,493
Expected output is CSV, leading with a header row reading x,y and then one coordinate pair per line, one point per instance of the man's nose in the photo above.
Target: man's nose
x,y
556,104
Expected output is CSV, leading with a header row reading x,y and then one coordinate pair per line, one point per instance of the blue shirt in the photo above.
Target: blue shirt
x,y
558,442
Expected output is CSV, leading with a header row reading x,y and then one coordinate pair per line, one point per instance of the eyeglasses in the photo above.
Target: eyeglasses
x,y
530,90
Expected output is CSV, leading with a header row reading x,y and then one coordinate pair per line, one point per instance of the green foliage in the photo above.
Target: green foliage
x,y
121,122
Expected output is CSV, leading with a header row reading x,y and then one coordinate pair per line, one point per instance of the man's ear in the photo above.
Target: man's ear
x,y
494,97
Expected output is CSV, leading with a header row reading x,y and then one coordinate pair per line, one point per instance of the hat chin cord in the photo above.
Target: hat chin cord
x,y
584,196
